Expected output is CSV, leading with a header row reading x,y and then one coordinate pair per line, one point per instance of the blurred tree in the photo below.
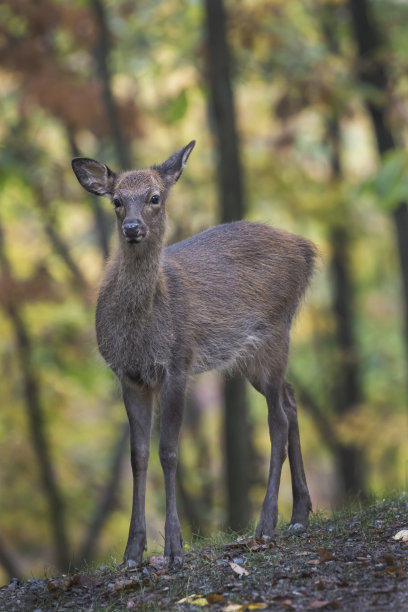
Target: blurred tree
x,y
36,421
63,64
8,562
231,205
110,106
372,71
347,391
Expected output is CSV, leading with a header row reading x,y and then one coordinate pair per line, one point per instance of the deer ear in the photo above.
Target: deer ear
x,y
93,176
171,169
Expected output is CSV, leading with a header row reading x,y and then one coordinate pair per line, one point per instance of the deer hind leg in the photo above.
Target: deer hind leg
x,y
301,498
278,431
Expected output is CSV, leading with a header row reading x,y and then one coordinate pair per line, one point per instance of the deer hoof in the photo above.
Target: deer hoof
x,y
265,529
297,528
177,561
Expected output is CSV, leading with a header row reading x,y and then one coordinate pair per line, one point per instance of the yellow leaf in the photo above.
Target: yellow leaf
x,y
196,600
200,601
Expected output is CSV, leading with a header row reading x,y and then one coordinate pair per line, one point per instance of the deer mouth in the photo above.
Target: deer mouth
x,y
135,239
134,235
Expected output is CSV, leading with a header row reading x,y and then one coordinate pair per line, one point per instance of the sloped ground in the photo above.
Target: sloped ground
x,y
347,562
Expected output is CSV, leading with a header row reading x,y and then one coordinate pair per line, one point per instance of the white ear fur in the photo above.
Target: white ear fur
x,y
95,177
171,169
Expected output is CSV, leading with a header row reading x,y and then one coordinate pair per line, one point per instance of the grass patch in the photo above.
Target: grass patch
x,y
347,560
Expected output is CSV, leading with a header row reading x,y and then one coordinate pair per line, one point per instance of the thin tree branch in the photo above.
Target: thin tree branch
x,y
35,414
320,419
57,241
101,224
102,61
109,495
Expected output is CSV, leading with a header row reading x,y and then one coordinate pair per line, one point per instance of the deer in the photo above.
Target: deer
x,y
222,299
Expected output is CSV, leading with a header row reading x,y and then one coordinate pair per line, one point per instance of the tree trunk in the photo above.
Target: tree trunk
x,y
347,390
8,562
372,71
231,198
237,451
102,62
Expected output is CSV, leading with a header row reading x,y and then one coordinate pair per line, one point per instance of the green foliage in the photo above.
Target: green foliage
x,y
290,84
389,184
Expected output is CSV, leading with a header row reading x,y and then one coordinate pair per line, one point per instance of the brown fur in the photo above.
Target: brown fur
x,y
224,298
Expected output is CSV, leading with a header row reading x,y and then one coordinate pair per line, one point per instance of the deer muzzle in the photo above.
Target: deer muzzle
x,y
134,231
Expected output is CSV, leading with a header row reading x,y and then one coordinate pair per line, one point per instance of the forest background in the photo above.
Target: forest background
x,y
299,108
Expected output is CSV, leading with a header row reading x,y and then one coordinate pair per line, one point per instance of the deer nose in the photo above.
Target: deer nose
x,y
134,230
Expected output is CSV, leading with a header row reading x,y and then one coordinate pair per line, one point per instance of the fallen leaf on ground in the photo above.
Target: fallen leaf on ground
x,y
63,583
238,569
392,566
401,535
158,562
256,544
387,559
394,570
197,600
234,545
161,572
323,604
325,555
123,585
244,607
213,598
88,582
287,603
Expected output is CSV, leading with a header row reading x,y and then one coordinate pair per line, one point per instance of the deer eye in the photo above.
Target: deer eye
x,y
117,202
155,199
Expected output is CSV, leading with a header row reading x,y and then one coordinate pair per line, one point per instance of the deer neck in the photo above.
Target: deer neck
x,y
141,275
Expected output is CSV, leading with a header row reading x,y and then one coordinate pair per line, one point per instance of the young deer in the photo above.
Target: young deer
x,y
223,298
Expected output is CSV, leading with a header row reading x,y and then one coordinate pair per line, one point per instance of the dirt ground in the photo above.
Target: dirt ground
x,y
347,562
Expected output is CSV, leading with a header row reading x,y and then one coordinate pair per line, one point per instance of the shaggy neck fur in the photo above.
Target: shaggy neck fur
x,y
141,274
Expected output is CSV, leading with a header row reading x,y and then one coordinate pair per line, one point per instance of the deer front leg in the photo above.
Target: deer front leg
x,y
138,403
172,403
278,431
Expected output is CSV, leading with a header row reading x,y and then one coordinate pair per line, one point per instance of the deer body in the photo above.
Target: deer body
x,y
223,298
